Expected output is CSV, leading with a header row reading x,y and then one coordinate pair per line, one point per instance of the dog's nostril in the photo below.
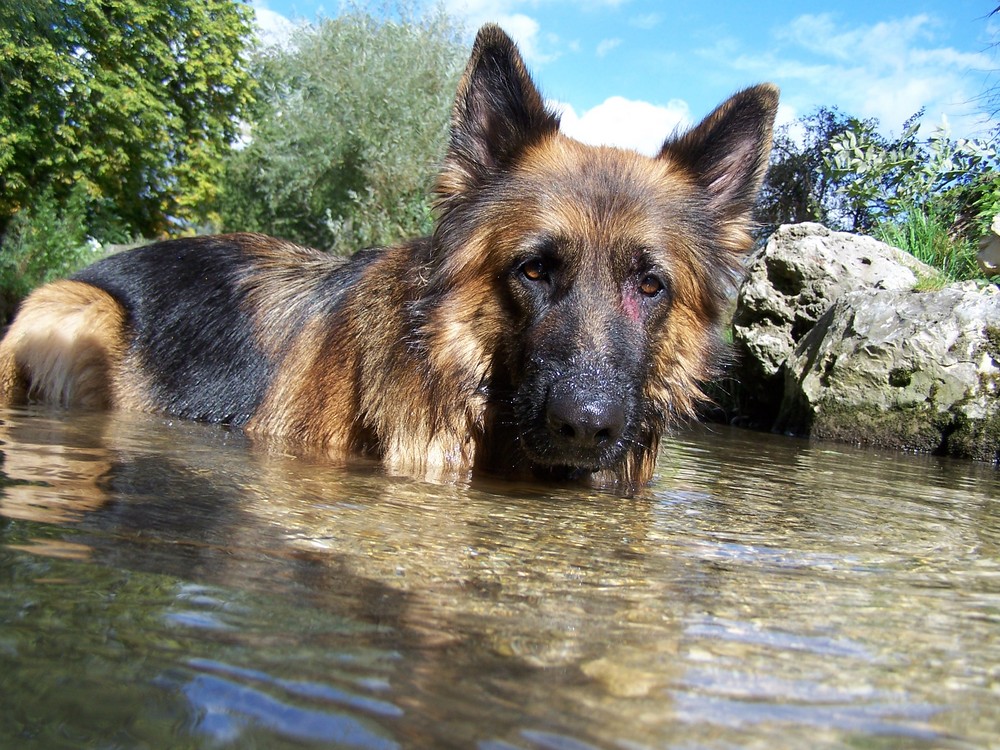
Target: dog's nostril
x,y
585,421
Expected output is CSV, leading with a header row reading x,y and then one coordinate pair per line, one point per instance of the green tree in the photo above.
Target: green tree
x,y
136,101
352,124
800,185
933,196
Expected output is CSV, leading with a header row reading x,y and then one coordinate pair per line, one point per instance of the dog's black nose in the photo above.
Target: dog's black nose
x,y
584,420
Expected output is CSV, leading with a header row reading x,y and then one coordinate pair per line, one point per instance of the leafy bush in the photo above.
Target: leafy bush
x,y
46,242
975,204
351,126
933,197
908,173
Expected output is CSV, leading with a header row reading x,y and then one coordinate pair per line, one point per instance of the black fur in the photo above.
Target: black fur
x,y
191,329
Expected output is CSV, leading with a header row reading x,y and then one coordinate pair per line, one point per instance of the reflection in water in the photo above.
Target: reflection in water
x,y
167,583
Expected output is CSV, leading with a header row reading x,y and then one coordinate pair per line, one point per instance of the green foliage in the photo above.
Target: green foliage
x,y
799,185
933,197
929,238
894,178
976,203
46,242
351,126
134,101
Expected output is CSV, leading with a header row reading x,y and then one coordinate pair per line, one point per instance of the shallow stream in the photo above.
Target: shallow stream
x,y
165,584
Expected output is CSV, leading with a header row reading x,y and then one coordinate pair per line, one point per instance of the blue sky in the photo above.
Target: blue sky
x,y
629,72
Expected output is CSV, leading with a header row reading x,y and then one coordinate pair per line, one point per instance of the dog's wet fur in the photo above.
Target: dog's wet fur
x,y
556,323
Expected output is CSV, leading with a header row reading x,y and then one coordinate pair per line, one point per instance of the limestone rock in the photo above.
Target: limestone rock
x,y
791,282
902,369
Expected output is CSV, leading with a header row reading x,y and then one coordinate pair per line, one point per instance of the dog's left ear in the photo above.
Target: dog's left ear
x,y
727,153
497,113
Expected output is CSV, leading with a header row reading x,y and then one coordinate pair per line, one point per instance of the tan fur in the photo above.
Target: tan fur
x,y
418,361
335,391
64,347
312,393
278,288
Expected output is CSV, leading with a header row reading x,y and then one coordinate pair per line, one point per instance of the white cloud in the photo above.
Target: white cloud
x,y
886,42
625,123
647,21
272,28
536,48
787,115
606,46
888,70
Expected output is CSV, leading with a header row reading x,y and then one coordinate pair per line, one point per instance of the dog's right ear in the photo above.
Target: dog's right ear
x,y
498,112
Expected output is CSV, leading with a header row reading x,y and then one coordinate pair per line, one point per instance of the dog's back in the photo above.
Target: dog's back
x,y
192,327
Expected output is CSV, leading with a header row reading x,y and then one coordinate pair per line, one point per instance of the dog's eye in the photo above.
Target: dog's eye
x,y
535,270
650,285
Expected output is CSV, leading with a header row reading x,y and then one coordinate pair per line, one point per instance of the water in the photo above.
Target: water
x,y
165,584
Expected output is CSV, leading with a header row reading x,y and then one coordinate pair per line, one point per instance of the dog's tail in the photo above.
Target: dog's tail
x,y
65,347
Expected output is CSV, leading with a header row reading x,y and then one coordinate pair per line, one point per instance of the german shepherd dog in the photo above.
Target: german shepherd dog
x,y
556,323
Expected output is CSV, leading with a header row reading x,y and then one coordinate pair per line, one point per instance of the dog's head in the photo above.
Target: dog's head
x,y
580,287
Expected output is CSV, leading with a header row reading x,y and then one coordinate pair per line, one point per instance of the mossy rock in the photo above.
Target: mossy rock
x,y
905,370
975,438
916,428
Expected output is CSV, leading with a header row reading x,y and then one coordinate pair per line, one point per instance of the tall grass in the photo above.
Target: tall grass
x,y
929,238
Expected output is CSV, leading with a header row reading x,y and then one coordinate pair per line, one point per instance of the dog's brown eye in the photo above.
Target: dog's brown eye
x,y
650,285
534,270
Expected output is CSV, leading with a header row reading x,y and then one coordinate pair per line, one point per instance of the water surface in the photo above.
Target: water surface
x,y
166,584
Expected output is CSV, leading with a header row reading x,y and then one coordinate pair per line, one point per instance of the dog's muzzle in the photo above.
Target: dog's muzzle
x,y
580,421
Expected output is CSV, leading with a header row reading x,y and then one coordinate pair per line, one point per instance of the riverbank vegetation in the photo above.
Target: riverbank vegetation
x,y
115,121
136,120
349,128
933,196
